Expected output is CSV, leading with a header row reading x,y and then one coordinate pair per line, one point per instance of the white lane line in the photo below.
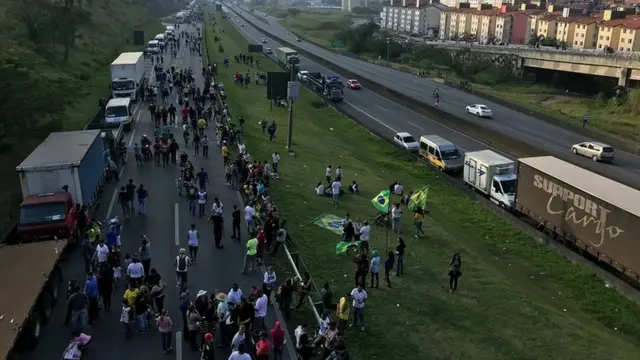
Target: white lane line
x,y
372,117
355,94
113,201
176,224
410,123
178,345
133,136
381,108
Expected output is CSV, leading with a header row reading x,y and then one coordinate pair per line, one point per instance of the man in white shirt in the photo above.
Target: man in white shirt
x,y
327,173
359,296
135,271
320,189
261,311
249,214
365,233
336,187
217,208
398,189
102,252
275,160
235,296
396,217
240,354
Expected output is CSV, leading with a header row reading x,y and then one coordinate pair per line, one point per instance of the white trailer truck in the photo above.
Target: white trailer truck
x,y
491,174
128,75
283,54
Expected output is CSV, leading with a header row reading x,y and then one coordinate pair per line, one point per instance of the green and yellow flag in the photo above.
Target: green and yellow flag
x,y
381,201
418,199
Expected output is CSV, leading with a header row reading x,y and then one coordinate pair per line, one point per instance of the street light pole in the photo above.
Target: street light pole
x,y
388,48
292,61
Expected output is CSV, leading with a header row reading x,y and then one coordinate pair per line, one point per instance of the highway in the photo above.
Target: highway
x,y
383,113
166,224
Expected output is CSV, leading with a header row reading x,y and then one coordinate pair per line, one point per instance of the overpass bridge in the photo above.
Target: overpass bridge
x,y
623,66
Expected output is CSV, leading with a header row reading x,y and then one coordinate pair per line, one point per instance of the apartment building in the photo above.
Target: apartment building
x,y
411,16
504,27
585,34
483,24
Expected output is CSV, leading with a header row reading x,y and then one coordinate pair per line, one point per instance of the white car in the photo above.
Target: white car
x,y
479,110
406,141
302,75
264,41
595,150
268,51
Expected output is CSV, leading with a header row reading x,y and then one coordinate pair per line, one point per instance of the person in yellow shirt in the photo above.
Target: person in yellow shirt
x,y
343,311
202,124
130,295
418,219
225,153
252,251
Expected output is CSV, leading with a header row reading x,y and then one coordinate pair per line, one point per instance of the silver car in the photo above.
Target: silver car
x,y
594,150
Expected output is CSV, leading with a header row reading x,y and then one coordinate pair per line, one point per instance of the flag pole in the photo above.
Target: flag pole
x,y
386,240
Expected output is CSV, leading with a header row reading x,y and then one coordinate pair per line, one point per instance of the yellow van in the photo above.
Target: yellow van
x,y
441,153
120,110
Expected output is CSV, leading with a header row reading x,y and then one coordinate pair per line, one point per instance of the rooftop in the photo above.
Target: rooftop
x,y
60,148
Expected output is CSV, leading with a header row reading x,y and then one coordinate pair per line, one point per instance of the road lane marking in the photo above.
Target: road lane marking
x,y
381,108
179,345
410,123
176,223
133,136
371,116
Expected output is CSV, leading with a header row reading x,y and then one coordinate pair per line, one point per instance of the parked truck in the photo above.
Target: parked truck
x,y
331,87
67,168
30,278
283,54
128,75
597,215
491,174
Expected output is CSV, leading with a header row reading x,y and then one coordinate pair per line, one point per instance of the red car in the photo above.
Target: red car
x,y
353,84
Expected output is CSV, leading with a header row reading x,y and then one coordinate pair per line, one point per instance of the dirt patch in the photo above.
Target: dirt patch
x,y
557,99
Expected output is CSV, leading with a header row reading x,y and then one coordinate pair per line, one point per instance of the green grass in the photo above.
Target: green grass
x,y
78,83
517,300
620,121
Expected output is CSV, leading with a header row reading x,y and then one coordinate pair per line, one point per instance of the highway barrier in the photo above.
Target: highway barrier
x,y
485,135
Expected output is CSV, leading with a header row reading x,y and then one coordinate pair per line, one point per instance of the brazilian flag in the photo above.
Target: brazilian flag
x,y
419,199
381,201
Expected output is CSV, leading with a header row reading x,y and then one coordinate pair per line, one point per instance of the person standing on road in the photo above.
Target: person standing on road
x,y
164,325
203,178
202,201
263,347
105,284
269,282
192,197
182,263
77,312
126,318
143,194
193,320
359,296
91,289
277,341
235,223
145,254
261,304
131,192
250,257
124,201
249,214
218,230
193,238
135,272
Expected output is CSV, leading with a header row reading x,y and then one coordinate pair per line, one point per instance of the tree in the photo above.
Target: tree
x,y
35,16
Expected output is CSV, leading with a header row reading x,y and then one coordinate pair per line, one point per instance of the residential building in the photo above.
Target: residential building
x,y
411,16
547,25
565,30
483,24
504,28
585,34
609,34
629,36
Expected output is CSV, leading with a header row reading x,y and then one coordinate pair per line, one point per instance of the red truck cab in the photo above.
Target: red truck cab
x,y
46,217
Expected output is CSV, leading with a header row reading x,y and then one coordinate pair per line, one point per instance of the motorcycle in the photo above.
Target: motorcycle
x,y
146,152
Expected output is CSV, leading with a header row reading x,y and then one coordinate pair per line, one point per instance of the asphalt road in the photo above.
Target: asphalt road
x,y
394,117
166,224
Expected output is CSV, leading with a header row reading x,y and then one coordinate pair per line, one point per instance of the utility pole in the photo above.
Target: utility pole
x,y
388,48
292,94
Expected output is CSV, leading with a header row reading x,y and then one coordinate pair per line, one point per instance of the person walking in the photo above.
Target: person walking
x,y
145,254
400,249
91,289
235,223
182,263
164,325
158,293
208,348
269,282
455,266
143,194
250,257
202,201
193,238
193,324
124,201
263,347
359,296
277,341
105,284
388,266
218,229
126,318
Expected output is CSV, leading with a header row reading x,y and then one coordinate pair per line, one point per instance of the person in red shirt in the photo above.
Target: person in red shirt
x,y
185,113
263,346
261,240
277,341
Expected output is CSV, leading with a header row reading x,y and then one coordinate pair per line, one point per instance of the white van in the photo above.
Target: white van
x,y
153,47
119,110
170,32
441,153
160,38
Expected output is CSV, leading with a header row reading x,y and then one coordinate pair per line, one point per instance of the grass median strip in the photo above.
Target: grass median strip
x,y
516,299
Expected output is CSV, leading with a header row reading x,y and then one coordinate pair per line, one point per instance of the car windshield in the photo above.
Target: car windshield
x,y
354,82
117,111
483,108
607,149
408,139
42,213
450,154
509,186
123,85
152,45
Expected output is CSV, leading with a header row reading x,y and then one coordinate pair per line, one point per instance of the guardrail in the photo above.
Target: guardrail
x,y
491,138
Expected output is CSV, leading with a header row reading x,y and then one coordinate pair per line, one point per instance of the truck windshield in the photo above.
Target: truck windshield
x,y
117,111
42,213
450,154
123,85
508,186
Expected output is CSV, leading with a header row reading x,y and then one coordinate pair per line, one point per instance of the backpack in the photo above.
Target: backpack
x,y
182,263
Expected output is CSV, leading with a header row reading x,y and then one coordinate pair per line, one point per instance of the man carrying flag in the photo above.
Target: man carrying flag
x,y
381,201
417,204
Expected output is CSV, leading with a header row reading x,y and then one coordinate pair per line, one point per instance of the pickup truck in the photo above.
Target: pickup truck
x,y
33,289
331,87
66,169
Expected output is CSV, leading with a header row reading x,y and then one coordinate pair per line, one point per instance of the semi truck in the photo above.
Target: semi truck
x,y
331,87
491,174
31,278
592,213
128,75
283,54
66,169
